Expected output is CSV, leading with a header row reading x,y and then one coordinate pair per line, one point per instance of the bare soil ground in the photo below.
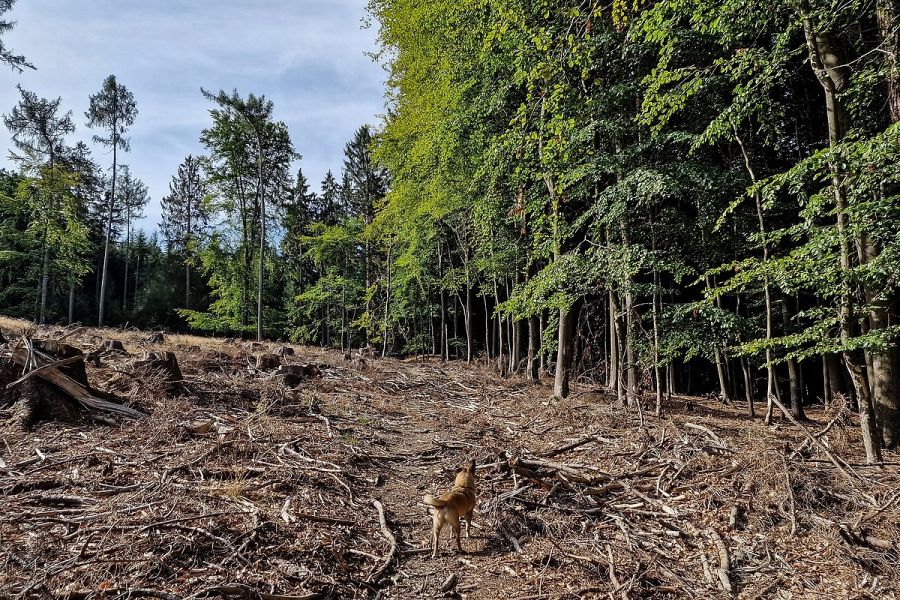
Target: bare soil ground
x,y
240,486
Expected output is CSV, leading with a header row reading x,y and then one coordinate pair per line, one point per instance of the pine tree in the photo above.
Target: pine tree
x,y
113,109
298,216
133,197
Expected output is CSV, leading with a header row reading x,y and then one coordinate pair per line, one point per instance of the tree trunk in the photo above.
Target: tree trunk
x,y
109,216
445,342
513,345
612,377
501,360
470,354
71,303
387,302
793,373
534,345
620,335
767,292
127,254
45,282
262,242
563,354
487,325
888,12
724,388
655,298
187,246
829,69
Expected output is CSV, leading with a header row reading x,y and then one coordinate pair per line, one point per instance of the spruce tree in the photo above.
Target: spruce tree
x,y
185,217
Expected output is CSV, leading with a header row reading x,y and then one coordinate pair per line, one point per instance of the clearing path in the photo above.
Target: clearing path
x,y
241,485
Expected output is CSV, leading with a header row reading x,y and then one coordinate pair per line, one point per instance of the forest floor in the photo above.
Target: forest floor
x,y
240,486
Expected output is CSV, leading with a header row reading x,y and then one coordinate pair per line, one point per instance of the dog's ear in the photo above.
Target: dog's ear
x,y
472,466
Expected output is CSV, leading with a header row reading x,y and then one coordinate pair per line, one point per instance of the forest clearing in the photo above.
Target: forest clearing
x,y
287,287
239,485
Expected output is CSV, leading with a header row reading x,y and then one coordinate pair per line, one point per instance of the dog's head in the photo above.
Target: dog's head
x,y
466,476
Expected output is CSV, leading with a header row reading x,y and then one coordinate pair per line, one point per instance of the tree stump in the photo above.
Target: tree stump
x,y
156,337
36,400
293,375
113,346
59,351
285,351
266,362
165,364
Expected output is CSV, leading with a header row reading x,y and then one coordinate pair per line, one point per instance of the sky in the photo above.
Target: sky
x,y
308,56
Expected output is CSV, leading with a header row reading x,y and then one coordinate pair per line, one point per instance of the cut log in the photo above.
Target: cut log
x,y
285,351
156,337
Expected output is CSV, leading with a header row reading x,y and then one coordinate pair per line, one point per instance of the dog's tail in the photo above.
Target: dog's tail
x,y
432,501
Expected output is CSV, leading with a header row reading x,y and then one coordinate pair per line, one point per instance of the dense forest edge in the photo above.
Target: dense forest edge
x,y
661,197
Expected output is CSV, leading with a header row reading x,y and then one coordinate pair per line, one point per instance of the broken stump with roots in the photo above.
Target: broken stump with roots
x,y
46,380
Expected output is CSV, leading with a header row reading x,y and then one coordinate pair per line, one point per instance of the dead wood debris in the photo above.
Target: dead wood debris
x,y
246,487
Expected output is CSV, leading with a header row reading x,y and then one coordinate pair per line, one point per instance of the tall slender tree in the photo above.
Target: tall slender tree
x,y
114,110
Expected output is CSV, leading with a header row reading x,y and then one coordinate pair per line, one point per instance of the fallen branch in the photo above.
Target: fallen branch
x,y
245,591
724,569
385,530
39,370
845,470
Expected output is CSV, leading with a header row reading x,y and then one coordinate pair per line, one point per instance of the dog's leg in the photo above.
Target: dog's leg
x,y
435,534
469,521
456,530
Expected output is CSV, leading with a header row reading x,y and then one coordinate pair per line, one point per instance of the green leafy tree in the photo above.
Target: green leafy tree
x,y
38,135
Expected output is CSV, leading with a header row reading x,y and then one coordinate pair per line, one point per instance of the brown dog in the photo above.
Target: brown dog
x,y
458,502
